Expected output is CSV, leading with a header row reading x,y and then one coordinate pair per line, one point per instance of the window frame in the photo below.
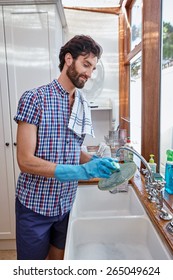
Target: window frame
x,y
150,47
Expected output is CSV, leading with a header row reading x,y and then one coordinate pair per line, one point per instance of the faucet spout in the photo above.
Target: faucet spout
x,y
151,176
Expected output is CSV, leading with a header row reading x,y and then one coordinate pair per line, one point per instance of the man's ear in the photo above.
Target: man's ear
x,y
68,59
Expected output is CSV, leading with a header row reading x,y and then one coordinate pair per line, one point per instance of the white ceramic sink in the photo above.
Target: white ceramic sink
x,y
92,202
111,226
114,238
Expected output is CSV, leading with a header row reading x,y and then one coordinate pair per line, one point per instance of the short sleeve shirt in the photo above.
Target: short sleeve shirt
x,y
48,108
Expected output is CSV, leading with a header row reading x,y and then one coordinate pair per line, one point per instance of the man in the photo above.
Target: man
x,y
52,122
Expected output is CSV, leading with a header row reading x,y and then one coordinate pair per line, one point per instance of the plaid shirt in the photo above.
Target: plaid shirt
x,y
48,108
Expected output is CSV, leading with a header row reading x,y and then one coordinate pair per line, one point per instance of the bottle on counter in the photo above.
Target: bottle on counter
x,y
169,172
152,164
128,156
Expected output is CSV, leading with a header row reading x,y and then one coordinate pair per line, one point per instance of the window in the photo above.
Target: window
x,y
136,23
135,102
132,67
166,123
140,46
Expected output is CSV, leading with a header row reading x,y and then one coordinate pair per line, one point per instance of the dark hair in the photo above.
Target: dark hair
x,y
79,45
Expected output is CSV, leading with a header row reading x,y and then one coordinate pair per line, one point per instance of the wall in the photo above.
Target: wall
x,y
103,92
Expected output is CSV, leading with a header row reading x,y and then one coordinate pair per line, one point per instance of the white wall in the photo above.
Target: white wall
x,y
104,29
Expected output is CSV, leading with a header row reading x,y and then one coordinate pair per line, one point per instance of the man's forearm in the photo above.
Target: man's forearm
x,y
84,157
37,166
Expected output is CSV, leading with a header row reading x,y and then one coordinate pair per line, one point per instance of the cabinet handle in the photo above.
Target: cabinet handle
x,y
7,144
15,144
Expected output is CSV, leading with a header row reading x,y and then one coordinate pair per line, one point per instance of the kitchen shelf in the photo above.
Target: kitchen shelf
x,y
97,108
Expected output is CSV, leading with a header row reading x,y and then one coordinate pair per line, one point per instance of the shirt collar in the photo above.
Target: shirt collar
x,y
59,87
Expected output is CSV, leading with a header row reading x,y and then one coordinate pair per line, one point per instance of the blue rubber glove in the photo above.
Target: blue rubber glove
x,y
114,161
95,157
96,168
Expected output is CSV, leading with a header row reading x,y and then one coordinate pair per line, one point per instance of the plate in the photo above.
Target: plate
x,y
127,171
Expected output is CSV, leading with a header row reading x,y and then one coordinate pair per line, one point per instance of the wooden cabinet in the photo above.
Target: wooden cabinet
x,y
30,39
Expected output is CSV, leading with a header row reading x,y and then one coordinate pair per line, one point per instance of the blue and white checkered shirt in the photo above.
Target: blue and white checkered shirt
x,y
48,108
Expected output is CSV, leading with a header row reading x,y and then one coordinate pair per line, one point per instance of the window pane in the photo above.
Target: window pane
x,y
135,102
166,83
136,23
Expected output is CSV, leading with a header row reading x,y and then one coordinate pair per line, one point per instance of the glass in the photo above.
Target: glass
x,y
166,123
136,23
135,102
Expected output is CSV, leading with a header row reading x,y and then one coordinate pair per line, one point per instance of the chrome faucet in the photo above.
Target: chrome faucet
x,y
151,176
153,187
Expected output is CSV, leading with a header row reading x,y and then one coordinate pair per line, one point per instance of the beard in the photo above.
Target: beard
x,y
74,76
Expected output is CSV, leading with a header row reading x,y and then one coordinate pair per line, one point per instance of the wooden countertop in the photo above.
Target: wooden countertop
x,y
138,184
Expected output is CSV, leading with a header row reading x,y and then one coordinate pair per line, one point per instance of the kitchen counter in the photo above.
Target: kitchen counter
x,y
139,186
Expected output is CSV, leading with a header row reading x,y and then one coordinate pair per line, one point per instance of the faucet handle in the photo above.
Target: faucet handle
x,y
147,175
160,184
145,171
148,183
169,227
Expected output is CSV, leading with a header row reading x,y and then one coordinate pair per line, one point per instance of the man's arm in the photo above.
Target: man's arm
x,y
26,145
29,163
84,157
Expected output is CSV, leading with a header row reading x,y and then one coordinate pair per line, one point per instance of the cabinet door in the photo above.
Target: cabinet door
x,y
7,184
33,39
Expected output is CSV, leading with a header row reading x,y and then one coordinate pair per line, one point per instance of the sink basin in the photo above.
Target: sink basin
x,y
106,226
124,238
90,201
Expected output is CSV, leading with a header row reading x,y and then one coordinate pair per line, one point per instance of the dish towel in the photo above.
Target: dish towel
x,y
80,119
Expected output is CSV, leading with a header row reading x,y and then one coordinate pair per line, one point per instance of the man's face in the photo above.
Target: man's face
x,y
81,69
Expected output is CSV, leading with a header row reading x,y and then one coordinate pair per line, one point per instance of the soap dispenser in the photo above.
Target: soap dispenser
x,y
152,164
169,172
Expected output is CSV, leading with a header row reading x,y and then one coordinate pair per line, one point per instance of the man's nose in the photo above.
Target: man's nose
x,y
89,73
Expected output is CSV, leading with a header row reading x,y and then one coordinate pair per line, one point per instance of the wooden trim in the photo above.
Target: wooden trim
x,y
151,75
123,78
106,10
127,3
134,52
